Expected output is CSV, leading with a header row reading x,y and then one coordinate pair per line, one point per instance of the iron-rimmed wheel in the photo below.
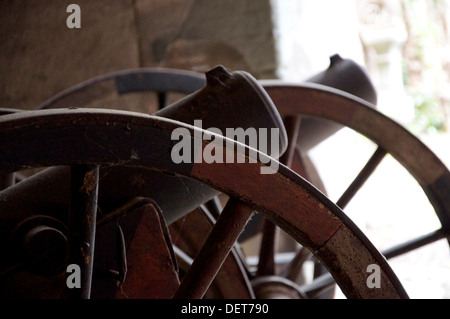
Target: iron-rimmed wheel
x,y
298,207
312,100
320,102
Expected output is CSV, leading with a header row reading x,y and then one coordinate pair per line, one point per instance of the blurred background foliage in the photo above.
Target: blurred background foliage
x,y
426,63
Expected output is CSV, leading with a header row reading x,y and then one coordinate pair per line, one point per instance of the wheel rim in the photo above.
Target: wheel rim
x,y
297,100
318,101
326,232
310,100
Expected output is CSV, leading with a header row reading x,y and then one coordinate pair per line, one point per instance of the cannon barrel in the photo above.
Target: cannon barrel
x,y
229,100
344,75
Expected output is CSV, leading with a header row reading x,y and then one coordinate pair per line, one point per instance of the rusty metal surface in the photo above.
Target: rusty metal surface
x,y
152,272
299,209
82,219
134,257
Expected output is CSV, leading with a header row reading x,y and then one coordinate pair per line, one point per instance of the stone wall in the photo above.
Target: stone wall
x,y
40,56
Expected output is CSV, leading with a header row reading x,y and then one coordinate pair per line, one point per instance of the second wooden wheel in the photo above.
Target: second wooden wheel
x,y
309,100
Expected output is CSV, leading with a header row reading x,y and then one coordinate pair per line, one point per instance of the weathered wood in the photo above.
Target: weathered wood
x,y
214,251
311,100
342,250
188,234
124,137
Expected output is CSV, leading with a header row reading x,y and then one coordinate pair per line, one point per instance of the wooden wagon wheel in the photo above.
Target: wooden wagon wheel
x,y
139,140
163,82
321,102
311,100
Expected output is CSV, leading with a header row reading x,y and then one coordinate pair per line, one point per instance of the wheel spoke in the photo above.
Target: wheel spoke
x,y
293,269
416,243
362,177
266,263
82,221
214,251
326,281
214,207
319,286
316,223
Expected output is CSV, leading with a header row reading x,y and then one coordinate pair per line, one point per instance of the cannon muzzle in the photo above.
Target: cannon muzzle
x,y
342,74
